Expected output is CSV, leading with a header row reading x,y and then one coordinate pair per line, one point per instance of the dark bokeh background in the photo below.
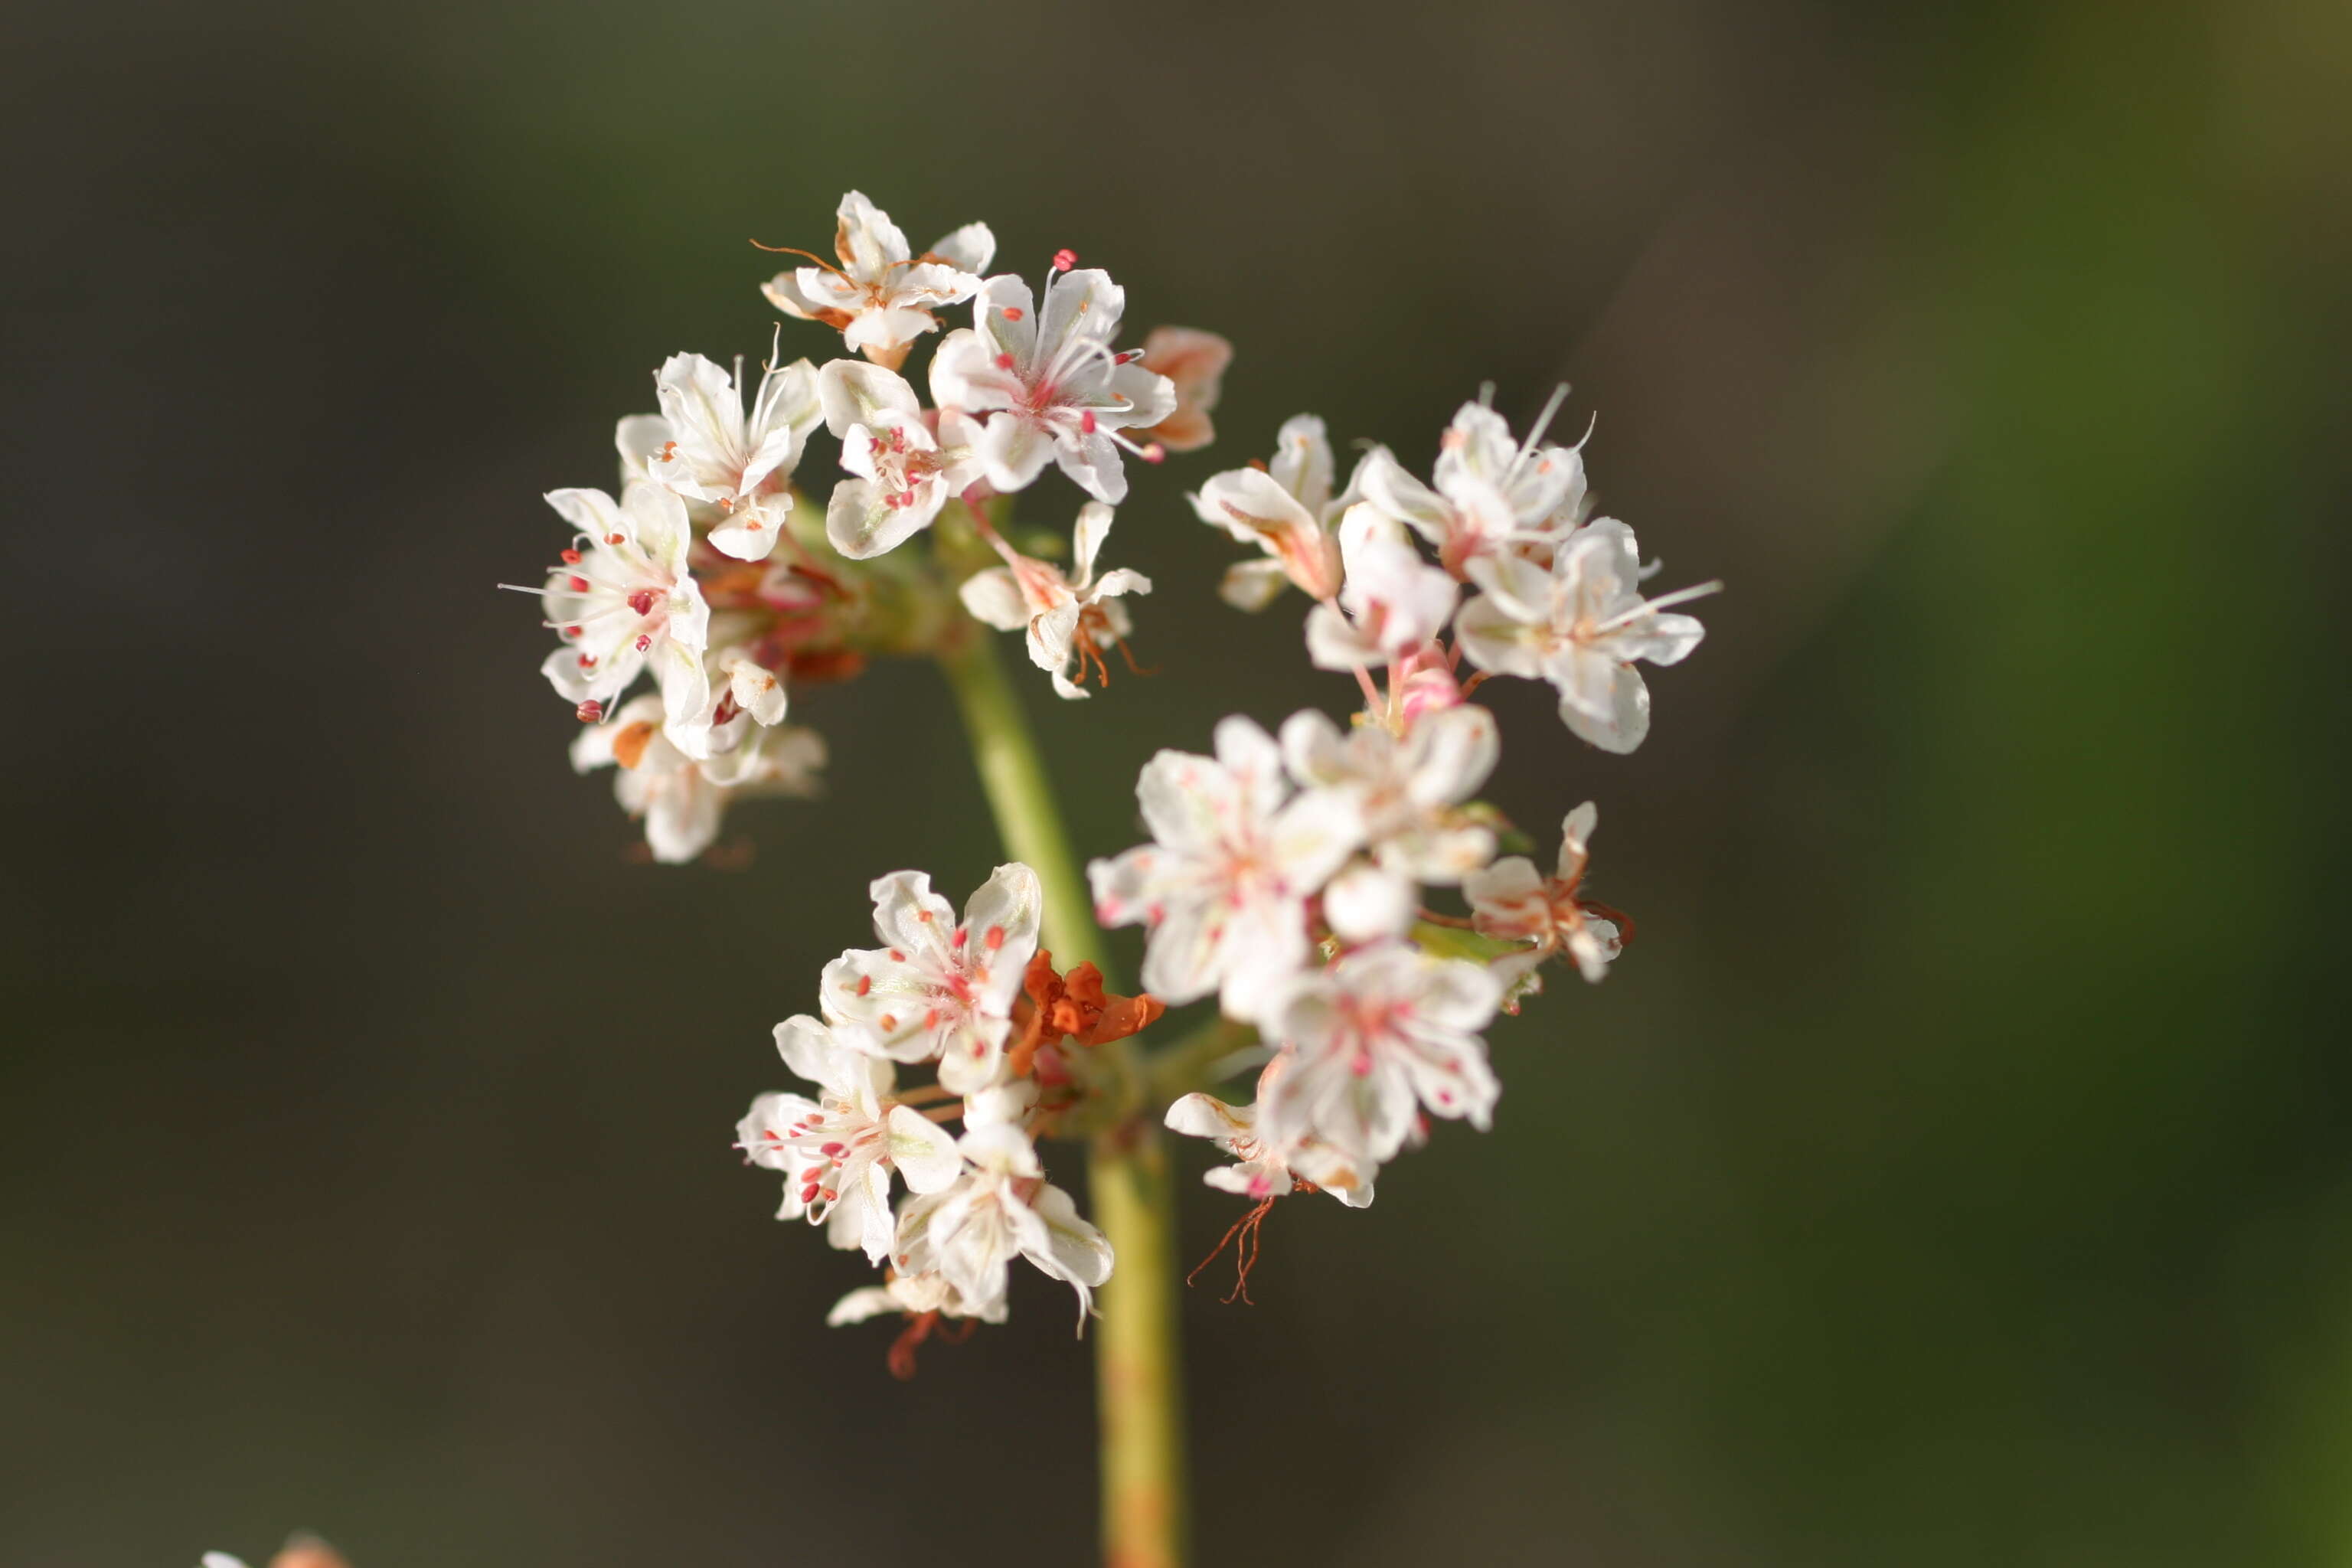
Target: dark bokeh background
x,y
1956,1172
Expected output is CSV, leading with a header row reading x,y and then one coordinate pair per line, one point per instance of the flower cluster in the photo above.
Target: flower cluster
x,y
976,1001
1289,875
1286,875
717,574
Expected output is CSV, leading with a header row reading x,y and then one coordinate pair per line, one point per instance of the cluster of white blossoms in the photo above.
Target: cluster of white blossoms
x,y
978,1002
1289,875
716,574
1286,875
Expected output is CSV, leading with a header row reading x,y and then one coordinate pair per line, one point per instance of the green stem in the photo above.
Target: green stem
x,y
1138,1371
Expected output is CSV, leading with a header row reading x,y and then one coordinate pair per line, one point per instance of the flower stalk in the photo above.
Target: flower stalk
x,y
1139,1392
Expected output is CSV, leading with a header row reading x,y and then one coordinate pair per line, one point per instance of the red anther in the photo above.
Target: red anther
x,y
588,712
1153,453
996,938
642,601
930,1017
832,1150
644,642
577,584
864,984
572,558
1128,357
1005,361
888,1022
1086,421
955,943
572,631
587,663
615,539
1012,312
1065,259
897,957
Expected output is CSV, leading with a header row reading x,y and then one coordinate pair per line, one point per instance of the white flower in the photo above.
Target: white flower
x,y
881,296
903,468
1284,509
837,1152
1263,1171
683,800
1225,887
1512,900
221,1560
1002,1209
1070,620
1579,626
740,466
1051,390
939,988
1409,790
1490,489
1395,601
624,599
1384,1027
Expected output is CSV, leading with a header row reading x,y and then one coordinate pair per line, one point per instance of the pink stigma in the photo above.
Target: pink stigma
x,y
1065,259
588,712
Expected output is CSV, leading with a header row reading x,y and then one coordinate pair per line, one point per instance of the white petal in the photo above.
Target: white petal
x,y
1013,450
1253,584
1627,722
1302,461
851,391
868,1302
1364,902
1086,539
924,1153
968,249
994,599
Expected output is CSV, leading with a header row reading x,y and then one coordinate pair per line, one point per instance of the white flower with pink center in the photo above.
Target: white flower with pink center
x,y
1581,625
1052,389
837,1152
940,989
904,464
1410,791
1224,889
882,295
1386,1029
738,465
624,601
1002,1208
1490,490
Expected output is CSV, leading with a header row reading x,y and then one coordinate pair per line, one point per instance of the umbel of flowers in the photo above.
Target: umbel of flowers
x,y
775,532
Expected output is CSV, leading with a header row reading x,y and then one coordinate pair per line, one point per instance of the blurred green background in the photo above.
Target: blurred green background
x,y
1956,1170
